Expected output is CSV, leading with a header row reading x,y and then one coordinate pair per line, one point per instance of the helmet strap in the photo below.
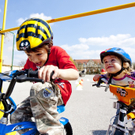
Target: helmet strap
x,y
118,72
113,75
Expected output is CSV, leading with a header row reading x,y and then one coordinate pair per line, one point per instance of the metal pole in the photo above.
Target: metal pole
x,y
13,50
2,36
128,5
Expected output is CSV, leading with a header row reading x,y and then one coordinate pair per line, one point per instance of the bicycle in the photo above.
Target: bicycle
x,y
126,105
10,105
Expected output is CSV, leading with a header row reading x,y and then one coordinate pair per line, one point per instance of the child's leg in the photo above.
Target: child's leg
x,y
23,113
44,100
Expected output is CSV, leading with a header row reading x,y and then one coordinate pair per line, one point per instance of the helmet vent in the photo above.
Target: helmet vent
x,y
118,49
26,33
36,30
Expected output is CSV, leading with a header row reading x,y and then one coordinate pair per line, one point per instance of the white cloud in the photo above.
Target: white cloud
x,y
20,21
0,10
90,48
89,54
87,48
36,15
76,47
112,40
42,16
130,51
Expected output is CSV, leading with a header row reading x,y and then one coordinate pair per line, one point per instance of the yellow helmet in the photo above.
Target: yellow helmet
x,y
33,33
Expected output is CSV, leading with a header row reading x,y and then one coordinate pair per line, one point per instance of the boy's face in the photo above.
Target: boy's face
x,y
39,57
112,64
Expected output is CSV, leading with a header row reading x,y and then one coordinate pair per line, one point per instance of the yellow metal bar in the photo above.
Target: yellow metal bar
x,y
93,12
11,29
128,5
2,36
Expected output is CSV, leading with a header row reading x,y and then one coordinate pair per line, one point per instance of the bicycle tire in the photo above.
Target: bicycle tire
x,y
119,132
68,129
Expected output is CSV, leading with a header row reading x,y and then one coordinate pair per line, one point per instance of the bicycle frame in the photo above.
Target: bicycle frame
x,y
18,126
125,104
126,98
5,127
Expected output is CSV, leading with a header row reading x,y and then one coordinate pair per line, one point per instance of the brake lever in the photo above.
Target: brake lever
x,y
97,85
94,84
51,76
99,82
102,80
19,73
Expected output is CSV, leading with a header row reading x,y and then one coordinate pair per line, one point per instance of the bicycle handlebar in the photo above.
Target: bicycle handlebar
x,y
19,76
23,76
102,80
30,75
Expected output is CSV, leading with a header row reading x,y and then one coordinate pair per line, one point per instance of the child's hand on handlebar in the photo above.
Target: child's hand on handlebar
x,y
45,72
96,77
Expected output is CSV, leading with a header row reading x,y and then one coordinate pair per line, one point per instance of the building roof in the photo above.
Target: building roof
x,y
87,60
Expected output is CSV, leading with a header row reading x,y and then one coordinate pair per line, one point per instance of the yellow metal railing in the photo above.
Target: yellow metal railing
x,y
2,36
128,5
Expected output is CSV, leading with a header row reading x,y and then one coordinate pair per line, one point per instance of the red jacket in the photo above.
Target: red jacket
x,y
58,57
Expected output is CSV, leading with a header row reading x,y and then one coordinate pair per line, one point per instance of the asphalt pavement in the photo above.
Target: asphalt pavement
x,y
89,110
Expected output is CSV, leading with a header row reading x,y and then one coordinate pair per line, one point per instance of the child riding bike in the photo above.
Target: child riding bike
x,y
35,38
117,64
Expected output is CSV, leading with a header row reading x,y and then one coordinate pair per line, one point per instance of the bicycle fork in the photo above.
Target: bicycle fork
x,y
120,127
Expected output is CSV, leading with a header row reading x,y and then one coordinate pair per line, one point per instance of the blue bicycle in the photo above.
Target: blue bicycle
x,y
10,106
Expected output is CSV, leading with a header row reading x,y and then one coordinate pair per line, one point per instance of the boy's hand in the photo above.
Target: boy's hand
x,y
45,72
96,77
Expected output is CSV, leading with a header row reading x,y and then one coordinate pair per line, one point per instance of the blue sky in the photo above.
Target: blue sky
x,y
82,38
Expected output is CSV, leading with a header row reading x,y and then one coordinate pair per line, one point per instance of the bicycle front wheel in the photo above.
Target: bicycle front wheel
x,y
68,129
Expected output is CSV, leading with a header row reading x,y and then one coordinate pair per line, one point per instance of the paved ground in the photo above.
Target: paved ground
x,y
89,110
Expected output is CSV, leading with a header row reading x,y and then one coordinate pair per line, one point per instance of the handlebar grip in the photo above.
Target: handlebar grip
x,y
51,76
24,79
99,82
32,73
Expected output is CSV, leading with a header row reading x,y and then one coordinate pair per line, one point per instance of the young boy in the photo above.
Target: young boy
x,y
35,37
